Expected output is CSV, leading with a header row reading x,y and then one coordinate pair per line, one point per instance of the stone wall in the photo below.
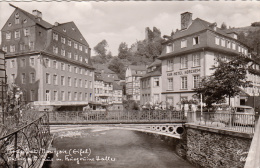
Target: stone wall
x,y
214,148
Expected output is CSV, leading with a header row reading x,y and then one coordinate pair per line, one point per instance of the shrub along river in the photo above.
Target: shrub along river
x,y
110,148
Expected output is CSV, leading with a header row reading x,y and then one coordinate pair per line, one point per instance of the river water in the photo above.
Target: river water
x,y
95,148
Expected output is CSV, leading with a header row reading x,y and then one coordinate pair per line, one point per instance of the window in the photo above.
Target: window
x,y
90,84
17,34
195,40
184,82
80,96
22,47
76,82
55,36
217,40
86,72
80,58
170,65
169,100
76,56
86,96
69,96
62,80
48,81
55,50
4,49
32,95
75,69
80,70
26,32
75,45
47,95
23,78
55,96
17,20
12,48
170,83
169,48
75,96
86,84
223,42
23,62
13,78
69,68
183,43
234,46
31,45
196,81
184,62
55,65
69,54
69,81
196,60
32,77
80,83
69,42
86,59
62,52
80,47
228,44
239,49
55,81
156,82
47,62
63,40
90,73
62,66
8,36
12,63
62,95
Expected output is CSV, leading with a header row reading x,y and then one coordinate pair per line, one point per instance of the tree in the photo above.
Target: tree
x,y
225,82
101,48
122,50
118,67
223,26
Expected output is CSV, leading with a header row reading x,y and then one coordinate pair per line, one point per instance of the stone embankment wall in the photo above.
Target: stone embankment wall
x,y
212,148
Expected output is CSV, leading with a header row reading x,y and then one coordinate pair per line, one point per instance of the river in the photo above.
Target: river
x,y
109,148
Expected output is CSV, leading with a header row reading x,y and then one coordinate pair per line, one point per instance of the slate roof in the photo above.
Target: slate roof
x,y
116,86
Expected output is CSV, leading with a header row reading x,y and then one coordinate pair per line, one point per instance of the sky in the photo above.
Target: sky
x,y
118,22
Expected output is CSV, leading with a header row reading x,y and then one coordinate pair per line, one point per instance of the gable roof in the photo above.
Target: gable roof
x,y
38,21
71,31
137,67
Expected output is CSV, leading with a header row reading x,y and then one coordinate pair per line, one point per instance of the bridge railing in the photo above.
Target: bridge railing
x,y
115,116
230,121
26,146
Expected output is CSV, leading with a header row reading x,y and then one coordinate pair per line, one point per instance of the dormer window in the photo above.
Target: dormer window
x,y
183,43
25,21
195,40
16,15
73,28
217,40
17,20
169,48
64,30
9,24
63,40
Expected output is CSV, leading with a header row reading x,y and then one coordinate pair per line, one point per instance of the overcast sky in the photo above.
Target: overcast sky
x,y
126,21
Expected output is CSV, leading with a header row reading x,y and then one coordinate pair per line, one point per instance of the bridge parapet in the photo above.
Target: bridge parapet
x,y
89,117
27,146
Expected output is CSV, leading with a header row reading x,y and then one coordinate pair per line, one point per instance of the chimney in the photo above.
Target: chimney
x,y
37,14
186,20
56,24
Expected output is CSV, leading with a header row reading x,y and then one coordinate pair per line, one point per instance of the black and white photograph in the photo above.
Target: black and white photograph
x,y
129,84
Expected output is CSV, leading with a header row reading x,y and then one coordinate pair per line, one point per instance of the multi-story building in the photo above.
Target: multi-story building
x,y
51,63
151,84
108,94
2,78
190,53
132,80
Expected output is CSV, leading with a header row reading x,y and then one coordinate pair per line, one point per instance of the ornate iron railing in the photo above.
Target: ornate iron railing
x,y
26,146
229,121
70,117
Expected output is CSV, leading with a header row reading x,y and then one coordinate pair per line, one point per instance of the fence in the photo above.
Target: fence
x,y
116,117
231,121
26,146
